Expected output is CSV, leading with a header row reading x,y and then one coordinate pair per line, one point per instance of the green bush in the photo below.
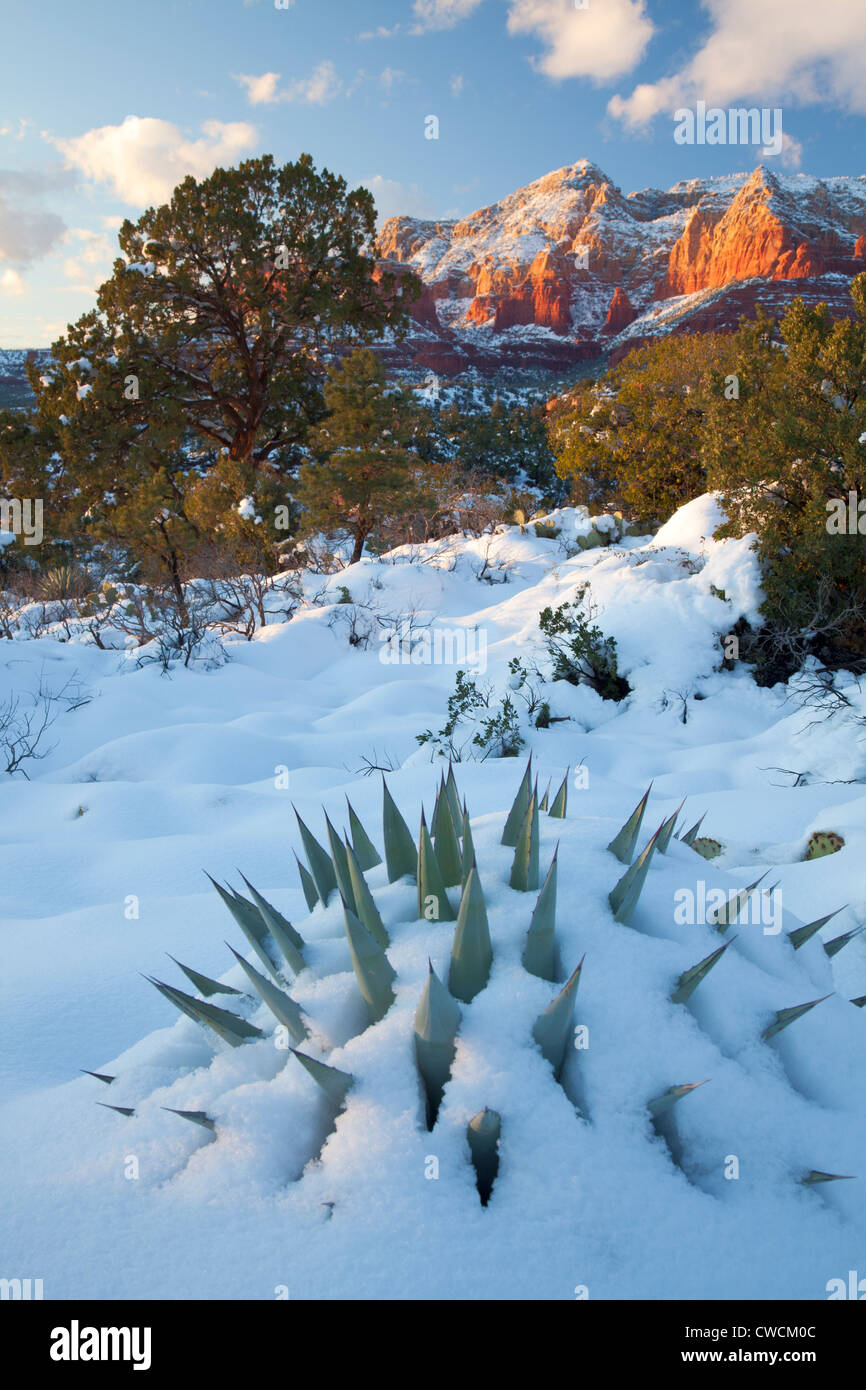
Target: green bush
x,y
578,649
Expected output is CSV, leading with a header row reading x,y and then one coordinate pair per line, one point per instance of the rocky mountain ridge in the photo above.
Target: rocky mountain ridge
x,y
569,268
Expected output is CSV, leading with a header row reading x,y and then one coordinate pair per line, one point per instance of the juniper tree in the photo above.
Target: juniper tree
x,y
366,471
206,346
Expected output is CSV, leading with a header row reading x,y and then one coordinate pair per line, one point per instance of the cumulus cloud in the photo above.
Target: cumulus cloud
x,y
322,85
28,231
779,51
601,41
144,158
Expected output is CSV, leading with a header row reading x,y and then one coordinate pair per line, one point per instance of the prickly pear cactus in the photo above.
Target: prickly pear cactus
x,y
823,842
706,848
443,1029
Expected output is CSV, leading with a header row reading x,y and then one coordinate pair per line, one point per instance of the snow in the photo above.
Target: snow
x,y
159,777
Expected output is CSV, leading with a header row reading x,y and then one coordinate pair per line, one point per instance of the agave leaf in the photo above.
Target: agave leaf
x,y
524,870
284,1009
231,1027
483,1133
623,843
251,923
560,801
430,881
319,861
100,1076
311,893
468,848
203,983
667,829
447,847
437,804
365,904
691,835
785,1017
437,1019
543,803
373,970
690,979
281,930
553,1029
860,1001
724,916
121,1109
471,950
341,866
453,797
663,1103
400,854
539,952
228,1026
336,1084
517,814
815,1176
271,915
366,852
197,1117
624,895
831,947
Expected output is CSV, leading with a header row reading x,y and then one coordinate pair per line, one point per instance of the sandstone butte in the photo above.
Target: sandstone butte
x,y
569,268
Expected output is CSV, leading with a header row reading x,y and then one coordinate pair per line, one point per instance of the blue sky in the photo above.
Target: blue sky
x,y
519,87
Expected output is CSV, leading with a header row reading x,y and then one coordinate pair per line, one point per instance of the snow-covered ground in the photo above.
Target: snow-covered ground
x,y
158,778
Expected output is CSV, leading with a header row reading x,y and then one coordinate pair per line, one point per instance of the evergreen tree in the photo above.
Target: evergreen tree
x,y
205,349
634,439
367,470
789,456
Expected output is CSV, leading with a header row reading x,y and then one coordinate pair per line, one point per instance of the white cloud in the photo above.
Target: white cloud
x,y
27,231
11,283
260,90
768,53
441,14
394,199
382,32
602,41
145,158
92,258
792,152
322,85
458,82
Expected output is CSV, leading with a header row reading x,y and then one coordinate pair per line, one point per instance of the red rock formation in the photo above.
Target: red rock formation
x,y
799,264
620,313
572,255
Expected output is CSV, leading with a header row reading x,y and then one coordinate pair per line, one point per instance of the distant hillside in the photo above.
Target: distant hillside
x,y
14,386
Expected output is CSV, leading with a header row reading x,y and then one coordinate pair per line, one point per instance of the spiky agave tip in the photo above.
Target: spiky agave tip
x,y
437,1019
336,1084
783,1018
471,951
623,843
690,979
483,1133
196,1117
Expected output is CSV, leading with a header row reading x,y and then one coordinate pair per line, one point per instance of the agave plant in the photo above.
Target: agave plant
x,y
446,884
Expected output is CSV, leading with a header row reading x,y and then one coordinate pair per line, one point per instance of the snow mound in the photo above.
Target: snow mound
x,y
154,778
